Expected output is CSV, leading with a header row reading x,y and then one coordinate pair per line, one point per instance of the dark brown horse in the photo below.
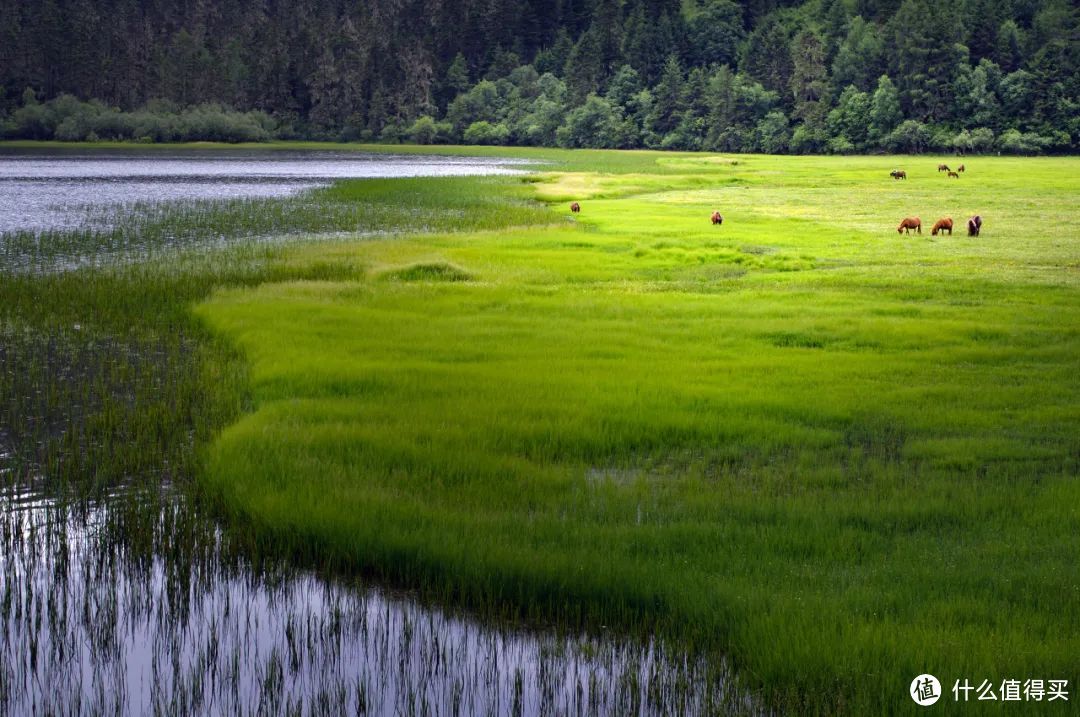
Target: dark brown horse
x,y
943,168
908,224
717,219
974,225
942,225
898,174
953,174
960,168
575,207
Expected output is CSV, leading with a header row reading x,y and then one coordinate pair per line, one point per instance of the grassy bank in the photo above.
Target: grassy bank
x,y
842,456
105,375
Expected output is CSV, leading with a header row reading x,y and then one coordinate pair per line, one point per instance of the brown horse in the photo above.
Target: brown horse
x,y
717,219
974,225
575,207
943,225
960,168
910,223
953,174
943,168
898,174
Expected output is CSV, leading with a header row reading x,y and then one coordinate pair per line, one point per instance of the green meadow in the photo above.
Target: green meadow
x,y
832,454
838,455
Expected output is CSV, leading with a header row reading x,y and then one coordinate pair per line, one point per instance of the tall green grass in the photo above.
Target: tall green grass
x,y
106,376
840,456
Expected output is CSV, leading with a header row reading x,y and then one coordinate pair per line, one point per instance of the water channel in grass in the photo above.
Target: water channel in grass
x,y
135,602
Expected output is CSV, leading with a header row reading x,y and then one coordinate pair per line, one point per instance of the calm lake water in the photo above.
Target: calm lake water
x,y
42,189
169,622
136,604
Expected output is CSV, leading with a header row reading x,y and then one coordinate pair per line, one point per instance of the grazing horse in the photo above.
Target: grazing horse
x,y
953,174
943,225
943,168
717,219
575,207
960,168
898,174
974,225
910,223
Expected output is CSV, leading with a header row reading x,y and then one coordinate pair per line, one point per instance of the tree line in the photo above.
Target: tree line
x,y
764,75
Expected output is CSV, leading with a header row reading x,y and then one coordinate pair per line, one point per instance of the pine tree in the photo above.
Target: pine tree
x,y
925,57
715,33
860,60
667,99
1008,46
885,112
809,88
767,56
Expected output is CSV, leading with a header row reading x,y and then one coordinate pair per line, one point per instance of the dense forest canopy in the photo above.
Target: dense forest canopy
x,y
762,75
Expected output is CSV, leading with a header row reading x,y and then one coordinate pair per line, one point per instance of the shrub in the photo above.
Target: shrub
x,y
771,135
982,139
840,145
483,132
423,130
1014,141
911,136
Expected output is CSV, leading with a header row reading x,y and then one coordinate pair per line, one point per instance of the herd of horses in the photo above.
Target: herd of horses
x,y
945,224
901,174
949,172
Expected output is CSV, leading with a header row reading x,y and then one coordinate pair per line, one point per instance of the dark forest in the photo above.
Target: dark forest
x,y
824,76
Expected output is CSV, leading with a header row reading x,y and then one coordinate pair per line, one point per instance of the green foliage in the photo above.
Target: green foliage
x,y
1014,141
67,119
423,131
479,103
715,31
736,105
911,137
925,56
860,60
952,66
977,92
885,113
850,121
764,57
483,132
810,90
594,124
771,135
667,99
1009,47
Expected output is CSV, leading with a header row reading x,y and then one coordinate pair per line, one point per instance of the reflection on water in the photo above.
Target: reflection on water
x,y
46,189
168,620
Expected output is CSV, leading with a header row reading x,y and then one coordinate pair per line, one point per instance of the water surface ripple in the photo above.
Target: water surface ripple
x,y
93,624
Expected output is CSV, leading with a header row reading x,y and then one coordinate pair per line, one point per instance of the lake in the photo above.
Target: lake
x,y
102,616
51,189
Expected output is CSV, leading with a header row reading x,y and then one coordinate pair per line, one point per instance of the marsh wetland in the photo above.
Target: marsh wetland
x,y
118,593
432,445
